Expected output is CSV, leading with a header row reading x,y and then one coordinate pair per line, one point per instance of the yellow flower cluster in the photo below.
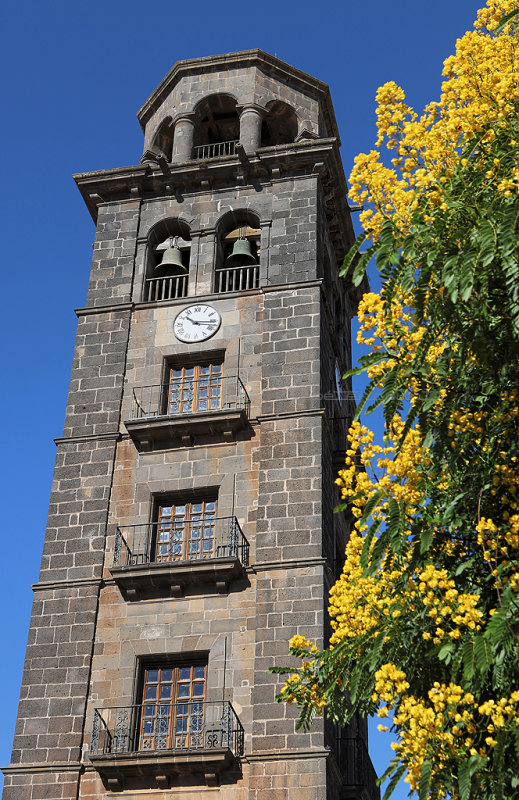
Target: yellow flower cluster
x,y
449,725
302,643
446,606
481,87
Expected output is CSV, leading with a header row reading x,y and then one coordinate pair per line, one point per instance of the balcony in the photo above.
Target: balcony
x,y
189,407
169,287
171,556
159,741
236,279
217,150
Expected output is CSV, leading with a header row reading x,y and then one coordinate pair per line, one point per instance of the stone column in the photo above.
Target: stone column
x,y
183,139
251,117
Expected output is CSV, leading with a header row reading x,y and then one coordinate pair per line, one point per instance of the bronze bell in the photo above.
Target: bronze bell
x,y
241,255
171,263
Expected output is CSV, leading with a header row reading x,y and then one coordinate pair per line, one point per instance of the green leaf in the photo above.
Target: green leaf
x,y
482,653
468,659
445,653
393,526
352,252
370,505
464,779
360,266
394,781
487,243
426,540
364,556
425,780
506,19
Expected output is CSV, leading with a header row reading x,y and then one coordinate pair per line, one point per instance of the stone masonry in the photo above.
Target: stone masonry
x,y
99,626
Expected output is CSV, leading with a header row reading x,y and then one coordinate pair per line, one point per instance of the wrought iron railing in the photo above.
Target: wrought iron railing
x,y
216,150
185,540
179,727
357,769
166,288
188,396
236,279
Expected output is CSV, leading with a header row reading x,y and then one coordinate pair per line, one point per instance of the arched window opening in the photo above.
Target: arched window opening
x,y
279,126
217,127
163,139
167,262
238,251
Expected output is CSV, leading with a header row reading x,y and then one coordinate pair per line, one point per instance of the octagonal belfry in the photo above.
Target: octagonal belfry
x,y
190,531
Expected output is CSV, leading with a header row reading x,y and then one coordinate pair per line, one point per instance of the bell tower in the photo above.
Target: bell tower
x,y
190,531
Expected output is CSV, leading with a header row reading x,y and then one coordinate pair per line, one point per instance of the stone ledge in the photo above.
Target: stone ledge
x,y
149,432
32,768
114,769
284,755
133,581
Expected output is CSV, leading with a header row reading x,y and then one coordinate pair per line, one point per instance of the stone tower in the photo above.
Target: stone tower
x,y
190,529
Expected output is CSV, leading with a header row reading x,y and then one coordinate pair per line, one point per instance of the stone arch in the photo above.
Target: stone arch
x,y
280,124
162,140
216,120
174,231
243,273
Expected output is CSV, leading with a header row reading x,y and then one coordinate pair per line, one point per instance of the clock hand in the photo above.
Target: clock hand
x,y
194,321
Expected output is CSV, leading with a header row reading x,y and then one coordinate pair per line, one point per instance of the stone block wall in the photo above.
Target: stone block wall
x,y
88,642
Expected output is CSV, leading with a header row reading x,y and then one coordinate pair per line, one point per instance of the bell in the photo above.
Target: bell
x,y
241,255
171,262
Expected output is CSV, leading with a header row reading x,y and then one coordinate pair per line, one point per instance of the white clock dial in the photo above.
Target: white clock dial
x,y
196,323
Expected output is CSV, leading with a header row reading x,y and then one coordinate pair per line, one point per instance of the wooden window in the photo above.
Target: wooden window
x,y
186,531
172,707
194,388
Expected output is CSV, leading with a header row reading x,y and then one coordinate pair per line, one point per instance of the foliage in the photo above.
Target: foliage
x,y
425,613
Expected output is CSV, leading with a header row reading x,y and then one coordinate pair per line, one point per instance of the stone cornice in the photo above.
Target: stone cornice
x,y
58,766
318,157
286,755
43,586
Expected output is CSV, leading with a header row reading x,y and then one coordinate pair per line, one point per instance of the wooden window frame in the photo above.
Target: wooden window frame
x,y
181,714
203,516
191,386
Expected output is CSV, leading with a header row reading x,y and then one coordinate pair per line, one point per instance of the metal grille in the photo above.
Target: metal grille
x,y
184,726
236,279
216,150
166,288
189,396
156,542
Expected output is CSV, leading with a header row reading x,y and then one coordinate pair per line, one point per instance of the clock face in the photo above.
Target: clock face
x,y
196,323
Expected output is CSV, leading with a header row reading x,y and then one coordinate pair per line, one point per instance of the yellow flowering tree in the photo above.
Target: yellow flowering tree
x,y
425,615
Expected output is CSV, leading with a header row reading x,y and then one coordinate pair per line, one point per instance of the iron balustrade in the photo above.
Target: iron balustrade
x,y
236,279
185,540
216,150
192,725
187,396
169,287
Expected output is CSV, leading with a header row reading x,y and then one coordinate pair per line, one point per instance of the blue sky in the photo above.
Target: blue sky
x,y
74,75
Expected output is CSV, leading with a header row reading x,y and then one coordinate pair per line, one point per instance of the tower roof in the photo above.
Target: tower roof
x,y
243,58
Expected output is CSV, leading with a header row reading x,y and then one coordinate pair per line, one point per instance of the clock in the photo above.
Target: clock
x,y
196,323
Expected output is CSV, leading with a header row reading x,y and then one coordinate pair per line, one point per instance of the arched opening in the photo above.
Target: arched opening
x,y
163,139
167,260
279,126
238,252
217,127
